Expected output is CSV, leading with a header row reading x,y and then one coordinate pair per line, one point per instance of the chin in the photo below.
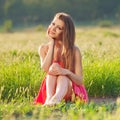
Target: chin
x,y
52,36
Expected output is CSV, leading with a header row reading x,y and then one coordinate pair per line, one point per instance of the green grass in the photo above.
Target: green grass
x,y
102,78
21,75
62,111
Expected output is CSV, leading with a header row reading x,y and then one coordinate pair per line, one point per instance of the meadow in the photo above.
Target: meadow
x,y
21,75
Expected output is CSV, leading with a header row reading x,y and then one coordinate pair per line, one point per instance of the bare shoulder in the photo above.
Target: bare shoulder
x,y
77,51
43,49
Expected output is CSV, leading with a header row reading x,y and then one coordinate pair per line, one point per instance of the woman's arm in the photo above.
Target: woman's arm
x,y
77,76
46,55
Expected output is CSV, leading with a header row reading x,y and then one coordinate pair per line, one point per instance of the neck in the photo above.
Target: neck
x,y
58,43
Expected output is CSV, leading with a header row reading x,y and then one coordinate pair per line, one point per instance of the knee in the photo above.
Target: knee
x,y
50,76
63,79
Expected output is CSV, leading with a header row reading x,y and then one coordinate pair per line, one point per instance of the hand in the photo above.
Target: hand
x,y
48,36
56,69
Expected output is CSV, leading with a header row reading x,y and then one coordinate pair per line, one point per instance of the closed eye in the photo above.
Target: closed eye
x,y
53,23
57,26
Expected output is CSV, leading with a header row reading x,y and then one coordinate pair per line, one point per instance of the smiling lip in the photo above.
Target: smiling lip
x,y
51,32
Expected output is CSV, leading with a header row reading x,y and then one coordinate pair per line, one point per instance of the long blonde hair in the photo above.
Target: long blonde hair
x,y
68,40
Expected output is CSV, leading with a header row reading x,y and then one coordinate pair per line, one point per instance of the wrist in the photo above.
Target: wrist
x,y
51,44
52,41
68,72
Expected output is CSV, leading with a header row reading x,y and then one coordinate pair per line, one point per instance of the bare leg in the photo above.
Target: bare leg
x,y
63,84
50,87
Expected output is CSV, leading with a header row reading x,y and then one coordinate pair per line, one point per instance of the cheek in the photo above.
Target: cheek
x,y
60,34
48,30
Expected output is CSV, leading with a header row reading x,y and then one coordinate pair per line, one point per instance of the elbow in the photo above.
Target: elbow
x,y
80,82
45,69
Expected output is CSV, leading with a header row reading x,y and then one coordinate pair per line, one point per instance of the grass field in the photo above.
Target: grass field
x,y
20,76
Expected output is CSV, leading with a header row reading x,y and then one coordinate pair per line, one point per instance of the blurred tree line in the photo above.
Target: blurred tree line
x,y
38,11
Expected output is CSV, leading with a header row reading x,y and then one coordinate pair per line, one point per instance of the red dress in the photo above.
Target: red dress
x,y
79,91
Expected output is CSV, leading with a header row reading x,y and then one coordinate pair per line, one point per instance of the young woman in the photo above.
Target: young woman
x,y
61,60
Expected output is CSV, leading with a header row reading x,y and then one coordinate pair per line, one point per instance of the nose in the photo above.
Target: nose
x,y
54,28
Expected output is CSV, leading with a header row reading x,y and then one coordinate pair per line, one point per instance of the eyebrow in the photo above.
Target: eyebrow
x,y
58,25
61,27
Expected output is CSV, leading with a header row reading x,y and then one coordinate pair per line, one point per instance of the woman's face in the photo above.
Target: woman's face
x,y
55,29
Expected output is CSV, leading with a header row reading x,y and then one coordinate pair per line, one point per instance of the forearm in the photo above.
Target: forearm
x,y
74,77
45,64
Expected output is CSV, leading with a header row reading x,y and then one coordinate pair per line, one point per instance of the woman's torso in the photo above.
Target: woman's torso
x,y
57,54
